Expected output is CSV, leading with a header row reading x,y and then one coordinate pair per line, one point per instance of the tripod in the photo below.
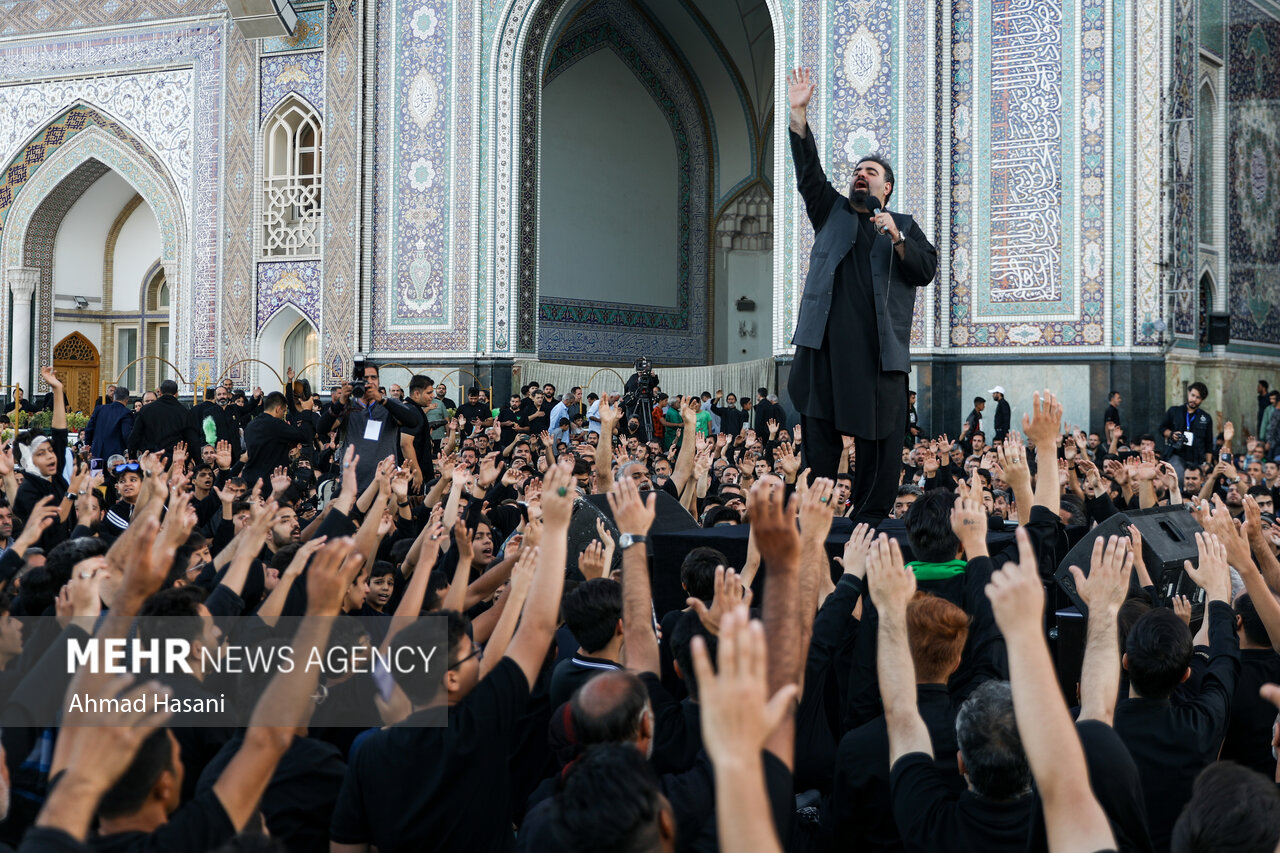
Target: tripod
x,y
640,407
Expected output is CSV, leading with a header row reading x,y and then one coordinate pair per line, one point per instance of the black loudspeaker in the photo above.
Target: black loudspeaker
x,y
1168,540
669,515
1219,329
582,531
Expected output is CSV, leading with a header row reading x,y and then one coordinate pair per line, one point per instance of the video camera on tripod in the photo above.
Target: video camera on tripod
x,y
637,401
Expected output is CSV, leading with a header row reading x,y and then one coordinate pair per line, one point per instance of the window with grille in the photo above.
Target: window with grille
x,y
292,155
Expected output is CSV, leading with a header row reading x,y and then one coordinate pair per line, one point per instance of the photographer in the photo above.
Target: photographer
x,y
1189,431
368,421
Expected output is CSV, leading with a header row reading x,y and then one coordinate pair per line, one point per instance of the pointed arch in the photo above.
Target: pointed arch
x,y
292,158
518,51
73,166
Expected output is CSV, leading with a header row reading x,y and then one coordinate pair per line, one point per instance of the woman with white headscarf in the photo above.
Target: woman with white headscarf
x,y
43,460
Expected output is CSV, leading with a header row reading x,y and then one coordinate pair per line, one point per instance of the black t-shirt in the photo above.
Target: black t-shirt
x,y
201,824
1248,739
931,817
411,788
692,796
571,674
512,419
1116,785
474,412
301,794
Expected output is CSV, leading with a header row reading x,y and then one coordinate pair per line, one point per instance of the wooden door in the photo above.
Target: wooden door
x,y
76,361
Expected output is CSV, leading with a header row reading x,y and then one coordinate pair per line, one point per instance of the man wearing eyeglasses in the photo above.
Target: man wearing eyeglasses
x,y
109,426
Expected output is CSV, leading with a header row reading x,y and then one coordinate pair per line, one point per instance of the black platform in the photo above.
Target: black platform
x,y
670,548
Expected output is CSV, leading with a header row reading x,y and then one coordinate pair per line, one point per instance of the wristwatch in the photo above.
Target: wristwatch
x,y
626,540
902,238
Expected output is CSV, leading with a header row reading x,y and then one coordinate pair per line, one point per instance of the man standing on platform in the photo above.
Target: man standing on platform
x,y
852,334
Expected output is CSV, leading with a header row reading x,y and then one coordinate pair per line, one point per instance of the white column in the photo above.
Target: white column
x,y
22,283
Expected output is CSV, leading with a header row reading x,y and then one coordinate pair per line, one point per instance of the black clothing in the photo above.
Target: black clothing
x,y
475,413
1172,742
856,311
34,489
858,813
268,440
373,429
1112,416
873,491
201,824
933,818
571,674
1198,424
159,425
731,419
214,422
973,423
1248,738
1001,421
693,804
514,422
762,412
411,788
301,794
913,427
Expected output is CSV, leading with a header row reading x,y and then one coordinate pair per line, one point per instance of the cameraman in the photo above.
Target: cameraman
x,y
638,396
369,421
1189,431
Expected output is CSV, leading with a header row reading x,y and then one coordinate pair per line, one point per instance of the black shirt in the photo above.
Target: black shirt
x,y
411,788
201,824
301,794
858,813
514,421
1112,416
934,819
474,413
1198,424
1116,785
571,674
268,440
1248,738
1172,742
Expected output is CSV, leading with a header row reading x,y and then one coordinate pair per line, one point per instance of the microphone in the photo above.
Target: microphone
x,y
872,204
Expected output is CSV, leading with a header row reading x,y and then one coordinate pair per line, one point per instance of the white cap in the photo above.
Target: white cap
x,y
999,389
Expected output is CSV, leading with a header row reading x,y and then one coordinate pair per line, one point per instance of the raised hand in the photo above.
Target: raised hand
x,y
1109,567
558,495
737,712
490,468
854,559
1016,594
728,595
892,587
280,480
800,88
49,375
1043,426
631,513
816,510
591,561
1213,574
222,454
332,570
773,521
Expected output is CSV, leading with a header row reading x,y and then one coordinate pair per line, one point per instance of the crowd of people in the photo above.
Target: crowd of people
x,y
895,693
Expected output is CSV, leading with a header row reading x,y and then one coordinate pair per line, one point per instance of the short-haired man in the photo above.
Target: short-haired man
x,y
1189,430
593,614
110,425
165,423
269,439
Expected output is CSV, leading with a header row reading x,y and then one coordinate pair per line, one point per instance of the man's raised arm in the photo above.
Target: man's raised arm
x,y
819,195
